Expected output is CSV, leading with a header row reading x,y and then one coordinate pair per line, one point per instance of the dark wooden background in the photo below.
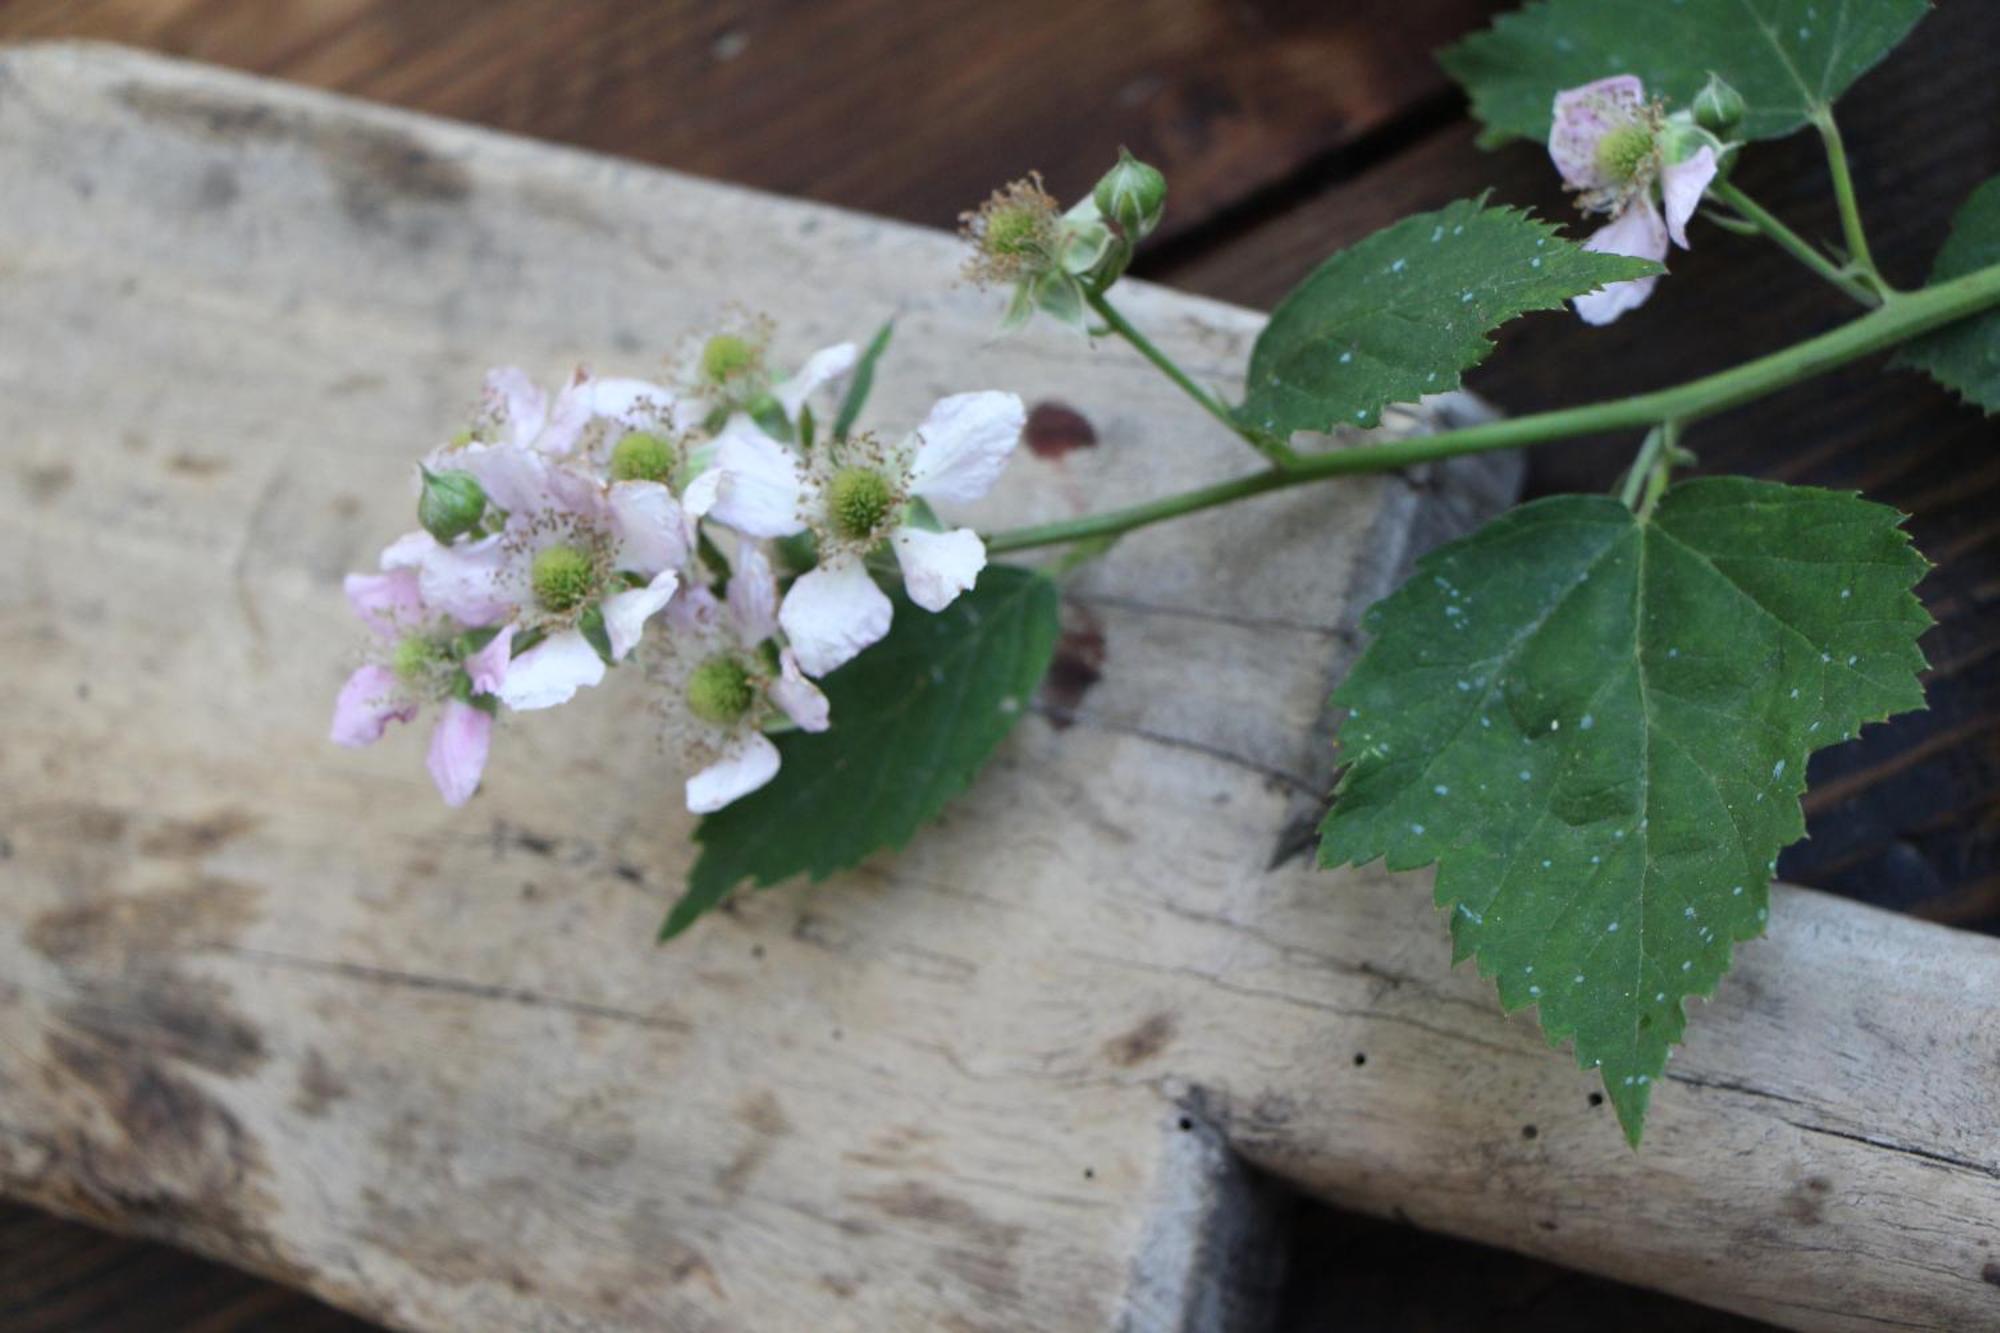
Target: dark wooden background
x,y
1288,128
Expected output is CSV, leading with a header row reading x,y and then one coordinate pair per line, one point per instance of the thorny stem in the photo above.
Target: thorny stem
x,y
1850,208
1910,314
1277,451
1793,244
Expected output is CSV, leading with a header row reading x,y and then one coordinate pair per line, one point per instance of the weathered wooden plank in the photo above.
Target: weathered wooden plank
x,y
272,1002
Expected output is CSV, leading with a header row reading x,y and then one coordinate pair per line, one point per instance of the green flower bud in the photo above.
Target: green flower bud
x,y
1621,151
720,691
1133,195
643,456
857,500
451,505
725,356
1718,107
563,578
769,414
1682,139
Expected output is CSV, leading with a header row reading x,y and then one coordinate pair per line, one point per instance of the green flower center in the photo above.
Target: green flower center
x,y
562,577
720,691
725,356
1621,151
1014,232
642,456
414,657
857,500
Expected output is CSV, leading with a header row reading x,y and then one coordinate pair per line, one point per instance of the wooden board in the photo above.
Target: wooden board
x,y
268,1000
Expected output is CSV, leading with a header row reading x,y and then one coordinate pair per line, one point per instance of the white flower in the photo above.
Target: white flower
x,y
1615,149
856,494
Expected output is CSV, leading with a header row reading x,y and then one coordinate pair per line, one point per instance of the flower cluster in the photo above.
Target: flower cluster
x,y
561,536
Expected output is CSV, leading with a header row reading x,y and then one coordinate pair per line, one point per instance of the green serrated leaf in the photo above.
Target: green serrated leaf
x,y
1597,726
1965,357
863,381
1404,312
1785,56
914,718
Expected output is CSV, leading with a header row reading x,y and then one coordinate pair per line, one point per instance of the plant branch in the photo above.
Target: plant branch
x,y
1850,208
1277,451
1793,244
1912,313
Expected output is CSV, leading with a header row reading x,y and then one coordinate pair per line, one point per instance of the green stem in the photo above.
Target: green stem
x,y
1793,244
1642,467
1277,451
1850,208
1911,314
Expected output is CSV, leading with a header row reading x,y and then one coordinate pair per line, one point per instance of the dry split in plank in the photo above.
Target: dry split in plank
x,y
271,1001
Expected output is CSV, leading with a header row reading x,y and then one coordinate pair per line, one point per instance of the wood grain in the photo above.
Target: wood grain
x,y
439,1075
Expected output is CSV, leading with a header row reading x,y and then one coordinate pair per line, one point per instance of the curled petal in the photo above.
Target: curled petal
x,y
488,666
626,613
408,551
551,672
938,566
800,698
369,701
694,611
1639,232
1681,188
652,530
567,418
964,443
1583,116
753,596
700,495
465,581
832,613
515,403
758,493
387,603
823,366
457,755
747,764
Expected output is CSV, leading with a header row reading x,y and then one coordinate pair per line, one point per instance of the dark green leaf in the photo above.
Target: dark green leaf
x,y
1402,313
1966,356
1785,56
914,718
1598,728
863,382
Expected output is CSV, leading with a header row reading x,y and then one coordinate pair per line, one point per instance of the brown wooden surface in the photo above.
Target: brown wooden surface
x,y
1288,129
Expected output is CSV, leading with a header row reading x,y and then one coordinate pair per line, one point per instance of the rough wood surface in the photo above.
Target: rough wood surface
x,y
438,1073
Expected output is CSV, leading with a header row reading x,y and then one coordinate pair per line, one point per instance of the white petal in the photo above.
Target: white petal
x,y
745,766
466,580
938,566
753,596
408,551
964,443
759,489
1638,232
700,495
829,363
626,613
1681,188
1583,116
832,613
551,672
637,404
800,698
515,403
652,530
567,417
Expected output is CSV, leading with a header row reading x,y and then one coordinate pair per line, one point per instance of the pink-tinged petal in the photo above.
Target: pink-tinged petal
x,y
1639,232
695,610
700,495
369,701
636,404
800,698
758,493
832,613
567,417
514,403
1583,116
488,666
626,613
465,581
1681,188
457,755
753,596
747,764
551,672
964,443
652,531
387,603
513,476
822,367
408,551
938,566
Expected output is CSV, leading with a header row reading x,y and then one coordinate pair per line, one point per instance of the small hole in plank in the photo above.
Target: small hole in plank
x,y
1360,1059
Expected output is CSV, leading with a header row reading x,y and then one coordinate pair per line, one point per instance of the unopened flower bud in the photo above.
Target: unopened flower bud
x,y
1718,107
1133,195
451,505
